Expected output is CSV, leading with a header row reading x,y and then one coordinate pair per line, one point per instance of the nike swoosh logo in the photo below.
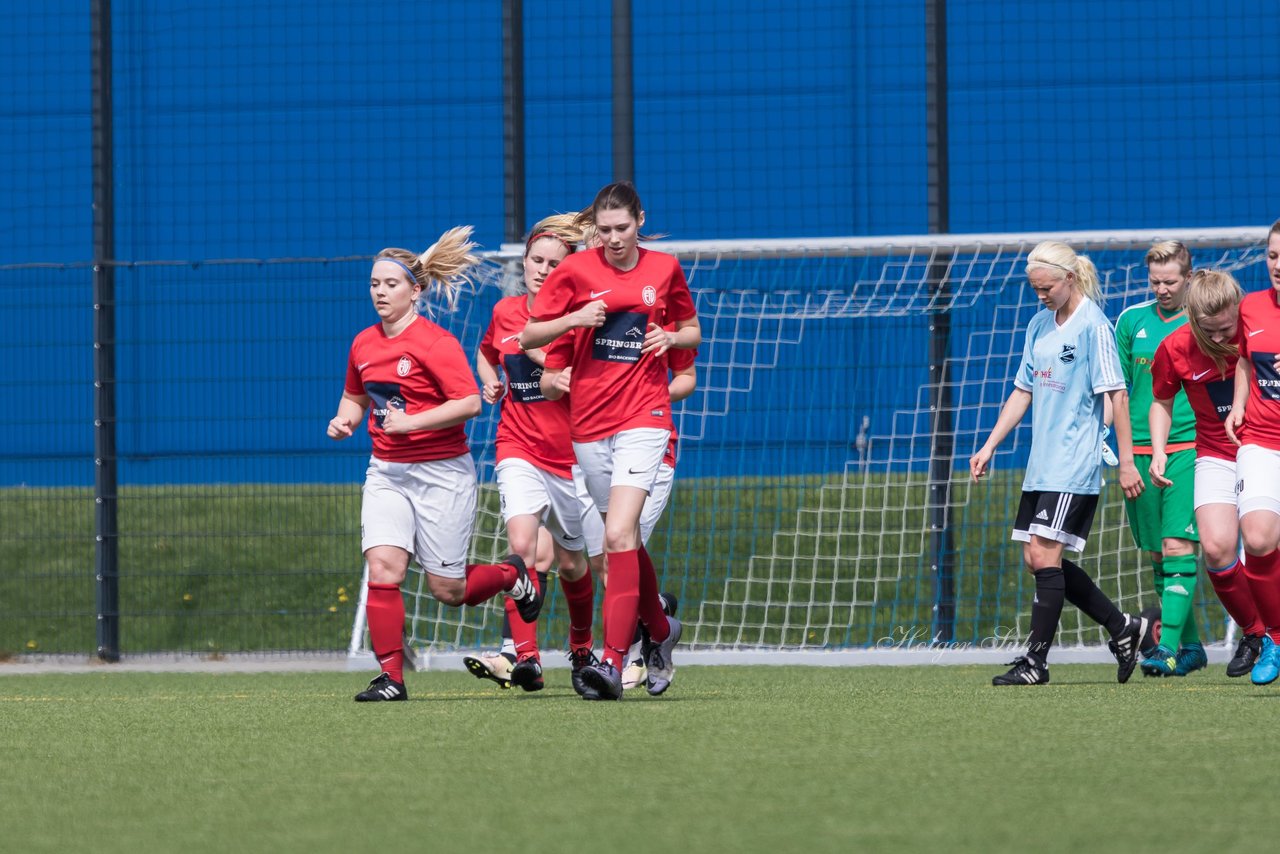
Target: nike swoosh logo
x,y
1256,332
1196,377
595,295
510,338
361,366
633,471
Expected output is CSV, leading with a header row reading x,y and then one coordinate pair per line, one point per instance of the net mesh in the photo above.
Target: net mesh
x,y
801,516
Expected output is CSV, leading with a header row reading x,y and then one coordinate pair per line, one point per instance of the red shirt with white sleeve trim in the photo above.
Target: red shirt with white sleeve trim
x,y
531,428
1259,343
613,387
415,371
1178,364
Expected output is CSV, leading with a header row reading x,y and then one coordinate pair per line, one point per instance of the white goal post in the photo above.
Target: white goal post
x,y
822,512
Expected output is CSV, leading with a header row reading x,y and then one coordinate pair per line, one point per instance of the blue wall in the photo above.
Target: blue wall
x,y
330,130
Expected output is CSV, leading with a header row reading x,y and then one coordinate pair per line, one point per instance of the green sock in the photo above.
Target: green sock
x,y
1157,578
1177,622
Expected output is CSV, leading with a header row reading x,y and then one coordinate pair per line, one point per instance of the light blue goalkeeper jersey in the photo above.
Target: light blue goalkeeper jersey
x,y
1067,369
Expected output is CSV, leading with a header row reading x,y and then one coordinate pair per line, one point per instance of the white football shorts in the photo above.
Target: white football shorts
x,y
629,458
654,505
1257,479
526,490
425,508
1215,482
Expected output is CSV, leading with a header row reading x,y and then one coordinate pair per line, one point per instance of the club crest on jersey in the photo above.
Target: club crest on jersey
x,y
403,366
649,295
1068,354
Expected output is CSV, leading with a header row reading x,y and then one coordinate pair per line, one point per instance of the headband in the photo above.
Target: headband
x,y
413,280
542,234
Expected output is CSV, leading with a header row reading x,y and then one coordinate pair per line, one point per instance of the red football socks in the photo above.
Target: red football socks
x,y
486,580
1264,583
384,612
651,613
621,603
1236,596
579,597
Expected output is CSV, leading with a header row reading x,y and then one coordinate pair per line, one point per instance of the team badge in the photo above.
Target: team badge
x,y
649,295
404,366
1068,354
1239,486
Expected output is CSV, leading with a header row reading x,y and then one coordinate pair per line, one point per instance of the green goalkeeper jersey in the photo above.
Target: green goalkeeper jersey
x,y
1139,331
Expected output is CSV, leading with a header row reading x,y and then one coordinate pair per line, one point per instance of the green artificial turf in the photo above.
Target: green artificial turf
x,y
734,759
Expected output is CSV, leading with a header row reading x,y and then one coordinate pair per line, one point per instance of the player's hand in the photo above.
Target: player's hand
x,y
561,381
1233,422
657,340
1156,470
493,391
1130,480
591,315
979,462
396,421
339,428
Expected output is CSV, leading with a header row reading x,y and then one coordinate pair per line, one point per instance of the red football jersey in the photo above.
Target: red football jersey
x,y
1179,364
1259,343
417,370
531,427
614,387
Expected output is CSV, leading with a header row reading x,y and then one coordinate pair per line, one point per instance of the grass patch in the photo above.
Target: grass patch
x,y
733,759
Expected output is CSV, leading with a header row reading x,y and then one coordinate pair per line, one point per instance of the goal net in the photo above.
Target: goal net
x,y
822,498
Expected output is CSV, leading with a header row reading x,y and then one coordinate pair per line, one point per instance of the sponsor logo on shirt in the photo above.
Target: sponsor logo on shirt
x,y
384,396
1266,376
523,375
621,337
1220,394
1045,380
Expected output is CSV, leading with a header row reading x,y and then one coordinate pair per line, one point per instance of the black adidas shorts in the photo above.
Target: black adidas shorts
x,y
1063,517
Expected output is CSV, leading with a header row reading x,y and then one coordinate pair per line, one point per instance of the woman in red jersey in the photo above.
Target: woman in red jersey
x,y
419,496
1201,357
620,409
534,466
1255,423
684,381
